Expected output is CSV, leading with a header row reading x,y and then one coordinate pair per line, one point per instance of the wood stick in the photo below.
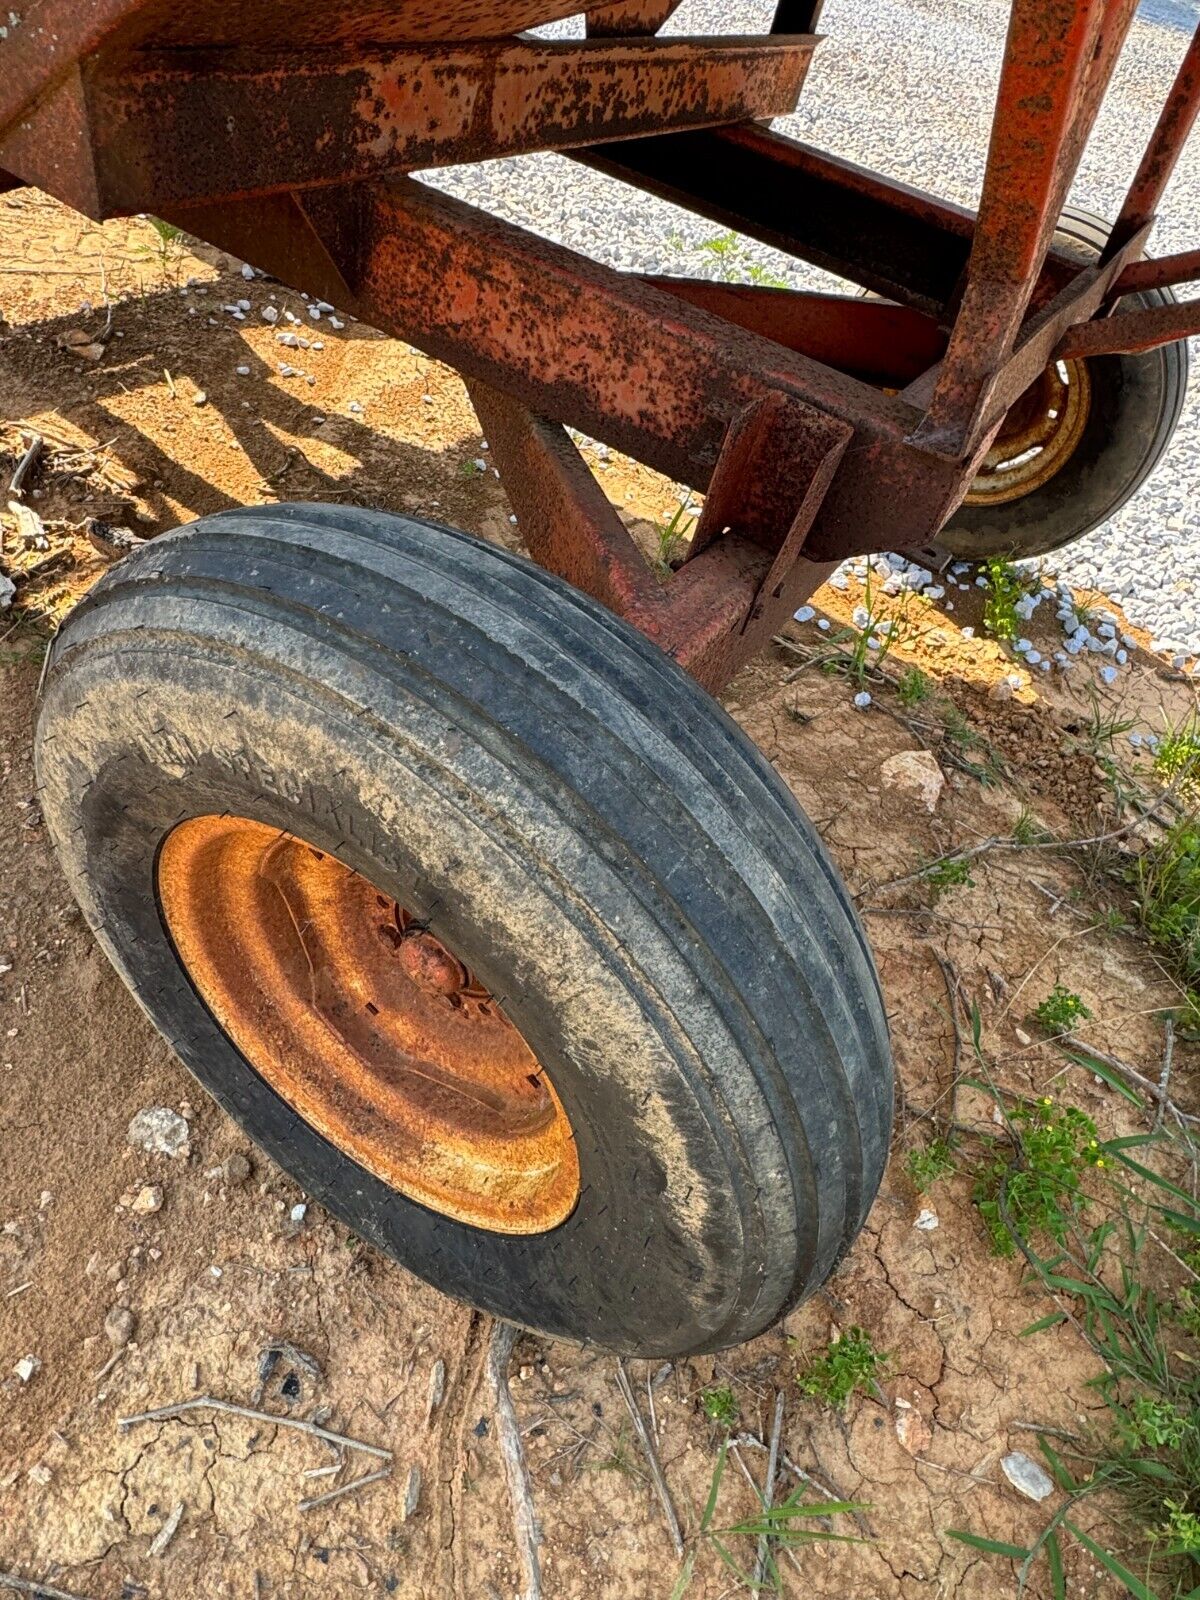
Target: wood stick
x,y
1164,1077
1131,1074
648,1445
345,1488
768,1494
33,451
504,1336
208,1402
10,1580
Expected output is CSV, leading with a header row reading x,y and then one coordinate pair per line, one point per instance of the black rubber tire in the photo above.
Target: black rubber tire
x,y
1135,405
576,818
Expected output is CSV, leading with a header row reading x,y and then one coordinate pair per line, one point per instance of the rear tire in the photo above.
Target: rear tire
x,y
1135,402
572,816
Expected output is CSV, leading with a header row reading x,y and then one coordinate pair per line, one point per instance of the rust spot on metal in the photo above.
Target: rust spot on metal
x,y
372,1030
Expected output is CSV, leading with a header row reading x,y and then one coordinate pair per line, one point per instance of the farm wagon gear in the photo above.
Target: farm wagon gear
x,y
439,868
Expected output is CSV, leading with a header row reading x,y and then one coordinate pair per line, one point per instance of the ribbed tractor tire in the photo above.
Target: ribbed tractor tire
x,y
563,808
1135,405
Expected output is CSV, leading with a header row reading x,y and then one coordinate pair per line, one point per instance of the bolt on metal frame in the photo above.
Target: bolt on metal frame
x,y
817,426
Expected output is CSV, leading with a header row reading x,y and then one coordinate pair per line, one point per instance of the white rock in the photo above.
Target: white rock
x,y
247,271
147,1200
270,314
916,772
927,1220
159,1130
1026,1476
7,590
26,1367
862,699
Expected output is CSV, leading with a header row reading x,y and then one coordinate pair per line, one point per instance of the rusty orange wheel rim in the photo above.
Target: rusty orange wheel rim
x,y
374,1032
1037,437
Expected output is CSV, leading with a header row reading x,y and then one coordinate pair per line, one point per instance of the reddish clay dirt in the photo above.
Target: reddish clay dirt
x,y
225,1268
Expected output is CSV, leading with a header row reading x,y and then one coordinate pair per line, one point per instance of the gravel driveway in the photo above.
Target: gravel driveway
x,y
908,86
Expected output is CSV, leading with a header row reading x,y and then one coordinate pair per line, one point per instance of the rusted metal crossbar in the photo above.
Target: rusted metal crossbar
x,y
817,425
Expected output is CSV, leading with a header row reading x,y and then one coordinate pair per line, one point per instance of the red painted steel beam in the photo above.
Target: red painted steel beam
x,y
1059,55
572,340
631,17
649,374
1159,272
177,128
1166,144
883,344
1131,331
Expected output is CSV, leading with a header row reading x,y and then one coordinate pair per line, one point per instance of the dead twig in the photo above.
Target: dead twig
x,y
345,1488
516,1470
950,978
209,1403
768,1493
749,1477
26,464
651,1452
46,1591
1130,1074
1164,1077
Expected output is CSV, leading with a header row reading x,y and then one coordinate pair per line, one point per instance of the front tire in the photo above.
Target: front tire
x,y
465,749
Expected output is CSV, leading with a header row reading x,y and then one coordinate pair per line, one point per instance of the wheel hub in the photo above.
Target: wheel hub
x,y
380,1037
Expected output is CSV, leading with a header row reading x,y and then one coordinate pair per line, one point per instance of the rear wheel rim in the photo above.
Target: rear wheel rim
x,y
1037,437
374,1032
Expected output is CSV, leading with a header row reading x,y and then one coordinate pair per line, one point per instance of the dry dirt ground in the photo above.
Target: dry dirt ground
x,y
224,1268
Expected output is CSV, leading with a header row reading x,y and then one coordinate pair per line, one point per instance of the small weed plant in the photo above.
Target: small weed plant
x,y
1004,588
927,1164
850,1364
737,265
950,872
1037,1194
1166,883
673,536
913,688
1061,1010
720,1405
1177,756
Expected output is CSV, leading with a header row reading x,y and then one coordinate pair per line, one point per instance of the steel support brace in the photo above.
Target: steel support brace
x,y
1058,60
896,240
1164,149
729,596
1159,272
1131,331
627,18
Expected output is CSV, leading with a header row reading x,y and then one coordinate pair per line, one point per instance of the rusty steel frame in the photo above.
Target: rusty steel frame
x,y
817,426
